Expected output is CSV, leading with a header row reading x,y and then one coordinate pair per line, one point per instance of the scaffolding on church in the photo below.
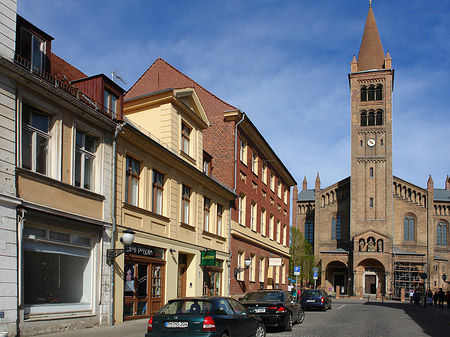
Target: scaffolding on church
x,y
406,275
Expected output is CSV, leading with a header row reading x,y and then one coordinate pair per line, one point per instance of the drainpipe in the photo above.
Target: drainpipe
x,y
113,217
234,190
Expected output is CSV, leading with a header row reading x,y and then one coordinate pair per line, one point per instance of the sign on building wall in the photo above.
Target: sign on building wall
x,y
275,261
208,258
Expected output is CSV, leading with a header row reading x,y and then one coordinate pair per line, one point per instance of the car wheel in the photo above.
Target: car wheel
x,y
329,307
289,325
300,316
325,308
260,331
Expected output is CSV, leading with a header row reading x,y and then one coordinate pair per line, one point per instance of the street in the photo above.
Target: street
x,y
348,317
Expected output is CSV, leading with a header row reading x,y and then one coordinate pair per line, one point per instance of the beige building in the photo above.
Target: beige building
x,y
179,214
373,232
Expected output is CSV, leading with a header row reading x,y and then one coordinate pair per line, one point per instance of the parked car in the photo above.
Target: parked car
x,y
315,298
277,308
206,317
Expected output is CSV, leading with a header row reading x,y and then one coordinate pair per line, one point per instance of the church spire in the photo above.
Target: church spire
x,y
371,54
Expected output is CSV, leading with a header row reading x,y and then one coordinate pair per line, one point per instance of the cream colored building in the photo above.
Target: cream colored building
x,y
166,196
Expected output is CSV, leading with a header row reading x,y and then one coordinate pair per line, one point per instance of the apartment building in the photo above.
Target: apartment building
x,y
238,156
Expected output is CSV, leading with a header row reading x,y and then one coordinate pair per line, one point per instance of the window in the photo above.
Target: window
x,y
309,231
243,152
240,265
363,118
379,93
441,233
279,189
110,103
253,211
272,182
33,50
255,163
279,231
132,181
285,197
252,271
186,200
206,213
371,172
157,195
242,209
285,235
371,202
371,93
363,93
206,166
35,140
371,119
264,173
219,219
409,228
85,147
262,267
263,222
271,223
185,138
336,222
379,118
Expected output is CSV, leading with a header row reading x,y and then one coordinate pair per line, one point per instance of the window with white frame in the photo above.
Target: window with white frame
x,y
206,213
285,235
84,161
219,219
279,189
185,138
241,209
253,213
262,268
252,271
132,181
272,182
263,222
271,224
264,173
255,163
279,231
185,201
243,151
32,48
157,192
285,197
110,102
36,140
240,265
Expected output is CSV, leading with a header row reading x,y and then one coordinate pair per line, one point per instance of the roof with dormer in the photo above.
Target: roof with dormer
x,y
371,54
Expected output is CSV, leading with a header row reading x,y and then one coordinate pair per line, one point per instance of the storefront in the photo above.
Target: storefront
x,y
212,273
144,279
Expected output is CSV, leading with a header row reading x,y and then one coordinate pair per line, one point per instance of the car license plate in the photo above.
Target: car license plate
x,y
310,300
177,325
258,310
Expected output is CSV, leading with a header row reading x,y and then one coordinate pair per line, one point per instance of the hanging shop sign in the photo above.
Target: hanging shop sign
x,y
208,258
145,251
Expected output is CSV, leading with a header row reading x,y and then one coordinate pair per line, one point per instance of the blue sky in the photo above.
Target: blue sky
x,y
285,63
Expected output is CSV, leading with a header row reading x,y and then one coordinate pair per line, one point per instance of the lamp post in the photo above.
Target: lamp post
x,y
248,262
444,278
126,239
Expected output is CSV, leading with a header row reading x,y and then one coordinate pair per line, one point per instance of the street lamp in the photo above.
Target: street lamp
x,y
444,278
126,239
248,262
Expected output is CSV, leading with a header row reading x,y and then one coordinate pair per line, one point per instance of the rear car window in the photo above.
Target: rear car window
x,y
312,293
186,307
263,296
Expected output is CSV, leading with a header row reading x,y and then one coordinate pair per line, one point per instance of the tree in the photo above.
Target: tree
x,y
301,255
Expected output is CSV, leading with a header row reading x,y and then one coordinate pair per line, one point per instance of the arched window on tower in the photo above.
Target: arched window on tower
x,y
363,93
371,119
379,118
409,228
371,172
336,227
379,92
441,233
371,93
363,118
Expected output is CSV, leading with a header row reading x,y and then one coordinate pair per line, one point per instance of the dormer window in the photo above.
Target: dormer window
x,y
110,103
32,49
185,138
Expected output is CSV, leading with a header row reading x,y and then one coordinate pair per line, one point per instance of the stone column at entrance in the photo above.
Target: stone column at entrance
x,y
402,295
338,291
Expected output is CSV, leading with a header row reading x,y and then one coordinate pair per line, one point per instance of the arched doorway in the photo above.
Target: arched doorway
x,y
337,275
370,277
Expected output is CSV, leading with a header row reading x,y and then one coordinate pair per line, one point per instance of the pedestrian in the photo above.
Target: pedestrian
x,y
429,297
447,296
441,298
411,295
416,297
390,294
435,298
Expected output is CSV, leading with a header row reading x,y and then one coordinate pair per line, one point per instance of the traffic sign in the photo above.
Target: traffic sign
x,y
315,269
315,275
297,270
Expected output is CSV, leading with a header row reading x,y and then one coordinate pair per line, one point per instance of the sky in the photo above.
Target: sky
x,y
284,63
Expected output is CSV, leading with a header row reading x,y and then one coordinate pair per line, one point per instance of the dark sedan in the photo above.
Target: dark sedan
x,y
277,308
205,317
315,298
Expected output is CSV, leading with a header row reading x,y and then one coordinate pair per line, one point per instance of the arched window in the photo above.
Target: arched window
x,y
441,234
409,228
336,226
371,202
371,119
379,92
371,93
371,172
361,143
363,118
363,93
379,118
309,230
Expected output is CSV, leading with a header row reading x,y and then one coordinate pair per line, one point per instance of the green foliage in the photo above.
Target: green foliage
x,y
301,255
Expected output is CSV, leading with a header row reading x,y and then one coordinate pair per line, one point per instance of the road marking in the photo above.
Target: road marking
x,y
343,305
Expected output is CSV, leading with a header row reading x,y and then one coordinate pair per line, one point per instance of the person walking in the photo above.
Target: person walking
x,y
435,298
447,296
441,298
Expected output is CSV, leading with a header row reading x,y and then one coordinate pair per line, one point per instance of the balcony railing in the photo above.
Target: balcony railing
x,y
63,85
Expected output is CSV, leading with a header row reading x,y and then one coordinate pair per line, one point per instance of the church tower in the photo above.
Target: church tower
x,y
371,84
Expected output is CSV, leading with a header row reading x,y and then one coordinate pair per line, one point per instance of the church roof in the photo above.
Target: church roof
x,y
398,251
371,54
335,251
437,257
306,195
441,195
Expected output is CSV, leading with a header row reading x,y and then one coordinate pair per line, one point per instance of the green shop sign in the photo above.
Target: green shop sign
x,y
208,258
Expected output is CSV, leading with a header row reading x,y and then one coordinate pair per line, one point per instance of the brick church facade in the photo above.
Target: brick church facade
x,y
373,232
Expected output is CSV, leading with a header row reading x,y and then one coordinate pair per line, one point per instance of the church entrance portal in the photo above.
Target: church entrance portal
x,y
371,285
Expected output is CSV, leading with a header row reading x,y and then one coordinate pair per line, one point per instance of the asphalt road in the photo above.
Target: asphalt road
x,y
348,318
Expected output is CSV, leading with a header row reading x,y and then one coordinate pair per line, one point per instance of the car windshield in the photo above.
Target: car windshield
x,y
188,306
312,293
263,296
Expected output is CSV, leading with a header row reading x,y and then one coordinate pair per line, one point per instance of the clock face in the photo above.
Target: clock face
x,y
371,142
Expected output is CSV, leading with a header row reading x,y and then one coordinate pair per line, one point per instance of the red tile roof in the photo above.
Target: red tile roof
x,y
161,75
63,70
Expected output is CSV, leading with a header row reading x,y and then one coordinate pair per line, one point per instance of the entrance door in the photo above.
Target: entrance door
x,y
370,284
339,280
182,266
